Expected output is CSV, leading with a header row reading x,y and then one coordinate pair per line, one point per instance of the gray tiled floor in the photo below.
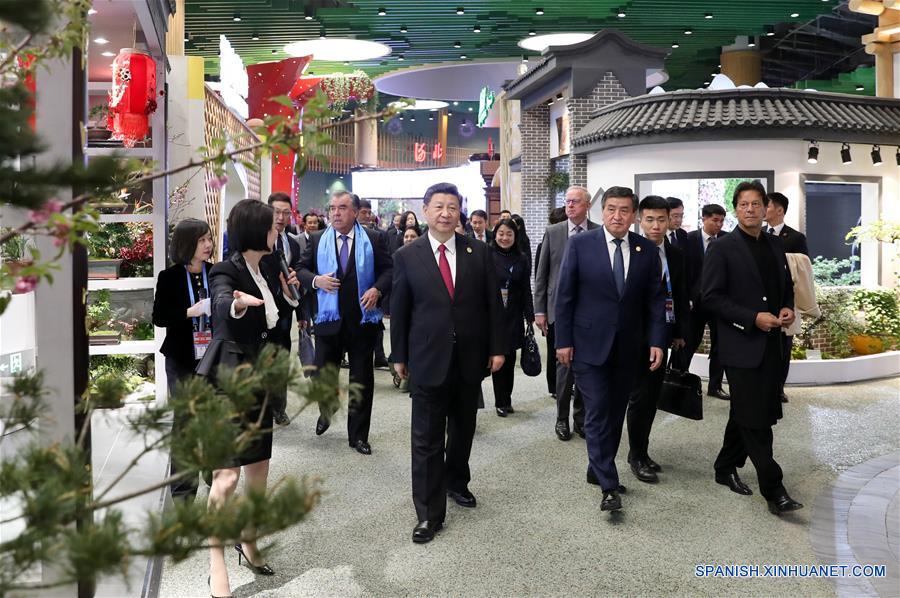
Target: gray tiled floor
x,y
538,529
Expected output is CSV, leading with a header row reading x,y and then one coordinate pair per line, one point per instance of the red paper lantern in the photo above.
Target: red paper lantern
x,y
133,96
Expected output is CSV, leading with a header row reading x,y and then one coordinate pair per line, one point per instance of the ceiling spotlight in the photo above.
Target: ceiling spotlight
x,y
525,59
876,155
846,158
346,63
532,32
860,87
412,119
91,11
457,45
101,40
274,51
708,15
675,44
187,37
460,10
237,17
470,109
401,58
550,102
449,113
476,28
770,31
688,31
430,118
559,97
322,33
108,54
812,154
308,15
539,11
462,56
403,29
255,37
382,11
455,103
706,83
621,13
794,15
751,43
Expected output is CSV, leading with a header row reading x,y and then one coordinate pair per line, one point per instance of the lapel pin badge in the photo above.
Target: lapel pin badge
x,y
638,248
468,250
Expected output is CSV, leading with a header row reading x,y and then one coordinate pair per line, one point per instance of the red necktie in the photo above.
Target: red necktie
x,y
444,267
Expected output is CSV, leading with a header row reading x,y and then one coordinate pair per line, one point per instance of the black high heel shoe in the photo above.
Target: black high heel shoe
x,y
262,570
209,583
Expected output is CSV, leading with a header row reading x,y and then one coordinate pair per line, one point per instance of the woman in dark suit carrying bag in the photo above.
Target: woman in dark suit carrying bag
x,y
246,296
514,276
181,305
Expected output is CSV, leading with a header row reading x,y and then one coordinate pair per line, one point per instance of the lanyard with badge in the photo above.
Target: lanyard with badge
x,y
202,332
670,302
504,292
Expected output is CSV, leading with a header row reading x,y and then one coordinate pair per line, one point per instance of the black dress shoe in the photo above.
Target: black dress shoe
x,y
321,426
281,418
733,481
783,504
592,479
611,501
653,464
719,394
463,498
643,472
553,395
784,398
562,431
425,531
510,409
381,363
362,447
502,411
579,429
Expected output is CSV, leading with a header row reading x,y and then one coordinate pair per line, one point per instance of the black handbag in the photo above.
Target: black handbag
x,y
681,392
531,354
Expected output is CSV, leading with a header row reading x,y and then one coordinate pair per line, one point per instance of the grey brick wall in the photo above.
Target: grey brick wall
x,y
607,91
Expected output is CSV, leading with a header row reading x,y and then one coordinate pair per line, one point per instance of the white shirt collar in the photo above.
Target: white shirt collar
x,y
706,237
349,235
778,228
450,244
582,224
609,238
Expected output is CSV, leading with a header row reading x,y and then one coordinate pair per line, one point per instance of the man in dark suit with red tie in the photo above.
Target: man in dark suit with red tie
x,y
446,337
608,289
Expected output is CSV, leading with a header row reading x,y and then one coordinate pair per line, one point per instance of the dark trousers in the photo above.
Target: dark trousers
x,y
605,389
698,321
443,426
642,409
741,442
357,342
379,345
787,344
185,488
567,392
503,381
551,359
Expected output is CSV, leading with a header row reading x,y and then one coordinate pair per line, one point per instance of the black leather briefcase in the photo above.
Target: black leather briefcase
x,y
531,354
681,393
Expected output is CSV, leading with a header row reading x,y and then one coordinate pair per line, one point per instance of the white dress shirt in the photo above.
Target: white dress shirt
x,y
573,225
340,242
611,247
482,237
673,237
450,253
706,239
270,306
663,259
777,228
287,246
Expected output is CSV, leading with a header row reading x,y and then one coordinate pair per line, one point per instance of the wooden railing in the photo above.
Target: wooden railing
x,y
340,155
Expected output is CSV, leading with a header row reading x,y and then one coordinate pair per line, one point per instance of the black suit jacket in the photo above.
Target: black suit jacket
x,y
236,340
426,322
170,305
793,241
488,235
694,257
348,294
733,290
681,237
678,274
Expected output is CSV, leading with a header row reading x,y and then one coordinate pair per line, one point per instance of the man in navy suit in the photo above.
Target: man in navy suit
x,y
608,290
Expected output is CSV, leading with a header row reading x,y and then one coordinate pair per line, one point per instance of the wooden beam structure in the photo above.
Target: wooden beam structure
x,y
883,43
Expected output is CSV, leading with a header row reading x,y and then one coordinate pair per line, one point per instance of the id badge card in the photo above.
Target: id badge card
x,y
202,338
670,310
504,294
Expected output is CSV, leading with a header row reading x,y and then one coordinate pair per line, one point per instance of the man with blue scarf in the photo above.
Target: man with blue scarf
x,y
349,269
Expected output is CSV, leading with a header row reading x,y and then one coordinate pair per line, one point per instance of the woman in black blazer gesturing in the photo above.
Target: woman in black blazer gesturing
x,y
246,296
181,306
514,277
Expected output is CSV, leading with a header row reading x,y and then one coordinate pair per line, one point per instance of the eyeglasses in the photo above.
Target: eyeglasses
x,y
573,202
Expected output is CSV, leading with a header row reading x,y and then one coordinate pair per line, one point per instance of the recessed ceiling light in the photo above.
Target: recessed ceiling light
x,y
382,11
675,44
621,13
101,40
539,11
860,88
708,15
338,49
462,56
542,42
455,103
254,37
457,45
460,10
794,15
403,29
108,54
91,11
532,32
688,31
237,17
427,105
476,28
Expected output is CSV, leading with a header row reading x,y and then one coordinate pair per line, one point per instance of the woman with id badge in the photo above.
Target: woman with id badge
x,y
182,306
514,275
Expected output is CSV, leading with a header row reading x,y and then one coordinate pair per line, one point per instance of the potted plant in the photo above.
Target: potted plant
x,y
557,182
100,319
120,249
879,316
96,127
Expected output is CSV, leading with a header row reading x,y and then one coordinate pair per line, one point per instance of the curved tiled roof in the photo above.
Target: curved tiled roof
x,y
742,114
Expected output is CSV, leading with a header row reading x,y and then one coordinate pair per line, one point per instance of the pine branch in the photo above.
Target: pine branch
x,y
131,466
96,506
15,52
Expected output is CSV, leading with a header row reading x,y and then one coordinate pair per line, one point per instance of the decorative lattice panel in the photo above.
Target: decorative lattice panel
x,y
219,120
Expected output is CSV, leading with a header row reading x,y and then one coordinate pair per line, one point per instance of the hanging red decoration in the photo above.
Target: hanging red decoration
x,y
133,96
304,89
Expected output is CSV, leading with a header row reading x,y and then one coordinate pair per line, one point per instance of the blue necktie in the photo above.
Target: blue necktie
x,y
345,254
619,268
